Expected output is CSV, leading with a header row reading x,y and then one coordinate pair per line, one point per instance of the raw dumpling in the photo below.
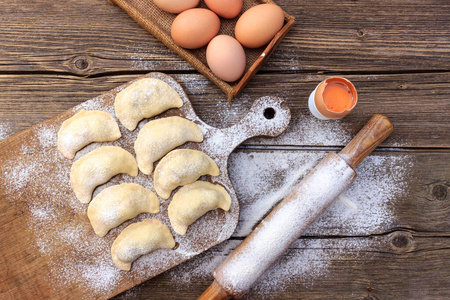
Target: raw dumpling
x,y
118,203
138,239
97,167
193,201
84,128
145,98
181,167
159,136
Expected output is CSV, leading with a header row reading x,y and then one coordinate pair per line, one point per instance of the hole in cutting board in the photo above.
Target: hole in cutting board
x,y
269,113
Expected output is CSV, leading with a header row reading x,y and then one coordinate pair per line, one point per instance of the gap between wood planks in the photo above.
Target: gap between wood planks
x,y
193,72
335,149
424,234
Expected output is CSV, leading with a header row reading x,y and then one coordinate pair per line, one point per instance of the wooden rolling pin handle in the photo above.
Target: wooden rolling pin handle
x,y
214,292
368,138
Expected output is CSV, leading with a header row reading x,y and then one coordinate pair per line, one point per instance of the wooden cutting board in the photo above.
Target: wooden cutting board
x,y
48,248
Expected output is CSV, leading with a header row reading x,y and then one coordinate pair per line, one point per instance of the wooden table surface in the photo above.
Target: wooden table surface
x,y
395,244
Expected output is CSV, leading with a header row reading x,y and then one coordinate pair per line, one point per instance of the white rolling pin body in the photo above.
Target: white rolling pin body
x,y
284,225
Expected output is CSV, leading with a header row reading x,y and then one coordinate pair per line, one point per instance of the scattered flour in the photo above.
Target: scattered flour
x,y
261,180
307,130
144,58
5,131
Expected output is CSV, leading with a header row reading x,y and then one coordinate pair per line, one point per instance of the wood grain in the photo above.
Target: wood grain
x,y
96,37
417,104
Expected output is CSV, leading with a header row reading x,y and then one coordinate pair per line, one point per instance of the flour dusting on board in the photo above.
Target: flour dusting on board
x,y
83,258
61,233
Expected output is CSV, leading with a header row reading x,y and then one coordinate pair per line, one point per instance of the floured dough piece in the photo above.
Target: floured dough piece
x,y
193,201
145,98
138,239
159,136
181,167
116,204
97,167
84,128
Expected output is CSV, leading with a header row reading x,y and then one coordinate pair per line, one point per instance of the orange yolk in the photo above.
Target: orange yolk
x,y
337,97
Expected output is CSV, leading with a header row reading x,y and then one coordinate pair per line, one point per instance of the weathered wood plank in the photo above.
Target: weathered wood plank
x,y
398,265
417,104
93,37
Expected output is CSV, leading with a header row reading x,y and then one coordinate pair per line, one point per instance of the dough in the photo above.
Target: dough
x,y
193,201
99,166
159,136
138,239
116,204
84,128
145,98
181,167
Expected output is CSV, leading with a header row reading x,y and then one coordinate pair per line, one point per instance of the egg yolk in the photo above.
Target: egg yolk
x,y
337,97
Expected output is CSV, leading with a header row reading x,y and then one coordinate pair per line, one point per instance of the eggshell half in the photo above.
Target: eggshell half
x,y
319,98
194,28
226,58
258,25
227,9
176,6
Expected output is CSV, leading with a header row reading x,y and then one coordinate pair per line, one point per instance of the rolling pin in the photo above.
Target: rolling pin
x,y
295,213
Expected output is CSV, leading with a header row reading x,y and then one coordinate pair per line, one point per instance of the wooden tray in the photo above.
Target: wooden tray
x,y
48,248
158,22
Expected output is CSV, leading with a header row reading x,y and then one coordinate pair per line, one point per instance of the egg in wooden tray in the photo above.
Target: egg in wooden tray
x,y
226,41
79,211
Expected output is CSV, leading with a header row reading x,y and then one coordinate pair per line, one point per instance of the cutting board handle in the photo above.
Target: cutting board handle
x,y
371,135
269,116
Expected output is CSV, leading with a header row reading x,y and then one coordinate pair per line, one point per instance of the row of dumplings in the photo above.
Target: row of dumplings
x,y
116,204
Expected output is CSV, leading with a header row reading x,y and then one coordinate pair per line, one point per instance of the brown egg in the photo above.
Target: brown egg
x,y
258,25
194,28
226,58
176,6
226,9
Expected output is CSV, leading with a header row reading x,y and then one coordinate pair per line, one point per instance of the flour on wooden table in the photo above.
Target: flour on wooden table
x,y
142,59
308,130
382,178
5,131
